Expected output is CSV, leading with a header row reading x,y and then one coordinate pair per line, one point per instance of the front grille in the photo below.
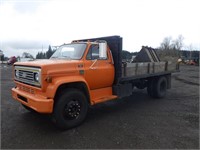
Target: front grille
x,y
26,75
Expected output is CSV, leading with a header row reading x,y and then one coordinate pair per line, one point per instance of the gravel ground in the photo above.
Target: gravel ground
x,y
135,122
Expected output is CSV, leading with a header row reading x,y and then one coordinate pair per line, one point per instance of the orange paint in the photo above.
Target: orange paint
x,y
97,77
36,102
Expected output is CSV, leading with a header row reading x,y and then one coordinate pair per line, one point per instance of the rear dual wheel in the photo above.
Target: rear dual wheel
x,y
157,87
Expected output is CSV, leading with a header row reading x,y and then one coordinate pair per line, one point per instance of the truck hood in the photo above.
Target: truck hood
x,y
53,66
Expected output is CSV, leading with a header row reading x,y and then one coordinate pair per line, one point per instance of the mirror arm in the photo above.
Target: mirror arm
x,y
91,67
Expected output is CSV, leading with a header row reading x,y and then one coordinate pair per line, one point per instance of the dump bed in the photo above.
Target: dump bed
x,y
132,71
147,63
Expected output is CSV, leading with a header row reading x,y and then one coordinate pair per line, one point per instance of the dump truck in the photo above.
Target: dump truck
x,y
87,72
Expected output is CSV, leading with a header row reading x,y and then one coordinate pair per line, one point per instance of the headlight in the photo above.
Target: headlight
x,y
36,77
17,73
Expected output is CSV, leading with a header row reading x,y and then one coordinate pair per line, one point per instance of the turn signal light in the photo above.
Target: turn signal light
x,y
49,79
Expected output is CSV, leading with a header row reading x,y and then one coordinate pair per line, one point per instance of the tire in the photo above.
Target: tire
x,y
70,109
28,108
157,87
150,90
160,88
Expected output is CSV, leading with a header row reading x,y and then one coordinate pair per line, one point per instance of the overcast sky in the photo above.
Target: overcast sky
x,y
30,25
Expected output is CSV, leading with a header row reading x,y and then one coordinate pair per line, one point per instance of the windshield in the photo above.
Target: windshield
x,y
70,51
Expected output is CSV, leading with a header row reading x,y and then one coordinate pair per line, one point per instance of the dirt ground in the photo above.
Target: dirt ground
x,y
135,122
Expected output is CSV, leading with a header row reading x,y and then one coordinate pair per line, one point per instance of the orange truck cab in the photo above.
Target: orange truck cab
x,y
78,74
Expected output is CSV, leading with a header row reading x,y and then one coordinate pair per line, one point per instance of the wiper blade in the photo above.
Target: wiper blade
x,y
54,57
66,57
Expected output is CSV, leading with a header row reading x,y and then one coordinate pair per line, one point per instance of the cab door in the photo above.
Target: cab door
x,y
99,72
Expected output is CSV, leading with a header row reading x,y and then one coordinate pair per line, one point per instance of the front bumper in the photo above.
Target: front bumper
x,y
36,102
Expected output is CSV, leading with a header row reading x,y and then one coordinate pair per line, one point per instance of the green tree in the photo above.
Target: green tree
x,y
2,58
126,55
45,55
41,55
27,55
49,52
38,55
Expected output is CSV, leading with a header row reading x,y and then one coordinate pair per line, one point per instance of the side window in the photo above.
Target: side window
x,y
93,52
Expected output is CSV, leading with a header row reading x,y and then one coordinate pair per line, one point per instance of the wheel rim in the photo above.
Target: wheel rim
x,y
72,110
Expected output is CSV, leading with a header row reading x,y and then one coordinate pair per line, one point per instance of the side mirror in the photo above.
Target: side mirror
x,y
103,50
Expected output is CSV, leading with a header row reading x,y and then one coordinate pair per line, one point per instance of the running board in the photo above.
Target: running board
x,y
101,95
104,99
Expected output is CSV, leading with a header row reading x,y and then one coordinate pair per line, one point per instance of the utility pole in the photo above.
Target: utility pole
x,y
1,55
190,47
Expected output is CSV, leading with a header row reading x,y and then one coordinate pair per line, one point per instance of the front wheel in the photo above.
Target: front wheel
x,y
70,109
